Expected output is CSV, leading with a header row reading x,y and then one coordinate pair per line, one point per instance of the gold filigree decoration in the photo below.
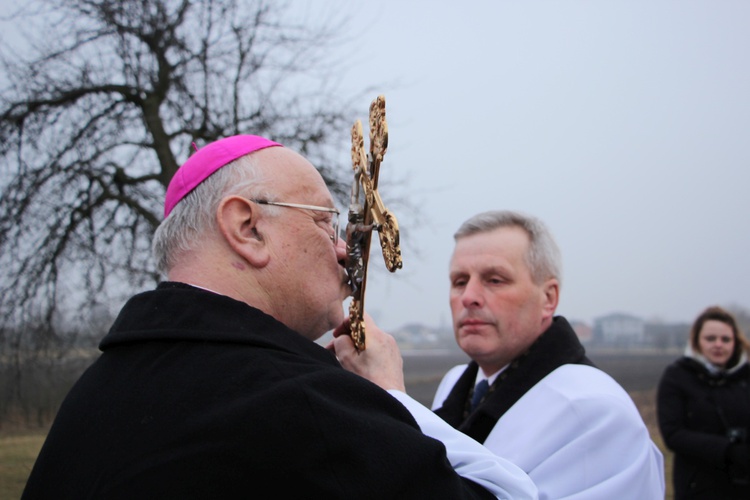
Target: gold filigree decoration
x,y
367,213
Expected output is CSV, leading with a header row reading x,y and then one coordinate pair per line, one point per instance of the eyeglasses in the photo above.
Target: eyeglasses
x,y
334,218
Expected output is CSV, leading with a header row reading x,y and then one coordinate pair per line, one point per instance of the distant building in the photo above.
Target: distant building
x,y
418,336
667,335
615,330
619,330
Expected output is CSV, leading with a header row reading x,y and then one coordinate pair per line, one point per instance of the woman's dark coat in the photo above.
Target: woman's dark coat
x,y
697,407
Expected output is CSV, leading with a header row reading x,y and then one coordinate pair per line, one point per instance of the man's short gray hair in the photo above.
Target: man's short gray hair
x,y
543,257
195,215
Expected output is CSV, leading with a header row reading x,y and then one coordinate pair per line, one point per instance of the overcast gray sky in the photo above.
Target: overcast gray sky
x,y
622,124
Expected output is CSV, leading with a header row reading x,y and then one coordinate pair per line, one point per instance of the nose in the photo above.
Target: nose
x,y
472,295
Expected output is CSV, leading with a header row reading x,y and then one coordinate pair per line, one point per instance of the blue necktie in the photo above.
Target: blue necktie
x,y
479,391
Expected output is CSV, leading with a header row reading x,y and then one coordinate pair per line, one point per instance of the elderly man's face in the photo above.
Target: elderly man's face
x,y
498,310
306,267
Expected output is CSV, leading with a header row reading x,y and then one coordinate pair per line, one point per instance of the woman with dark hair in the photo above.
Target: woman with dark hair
x,y
703,407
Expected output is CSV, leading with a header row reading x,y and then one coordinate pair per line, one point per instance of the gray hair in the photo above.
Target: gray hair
x,y
543,257
195,215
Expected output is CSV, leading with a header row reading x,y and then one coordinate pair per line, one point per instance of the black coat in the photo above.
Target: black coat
x,y
197,395
695,410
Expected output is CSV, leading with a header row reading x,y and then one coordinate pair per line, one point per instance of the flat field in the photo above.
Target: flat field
x,y
17,455
635,372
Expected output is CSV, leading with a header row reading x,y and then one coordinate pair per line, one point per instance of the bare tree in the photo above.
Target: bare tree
x,y
104,105
99,104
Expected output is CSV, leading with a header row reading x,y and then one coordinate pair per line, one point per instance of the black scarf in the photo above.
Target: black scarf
x,y
557,346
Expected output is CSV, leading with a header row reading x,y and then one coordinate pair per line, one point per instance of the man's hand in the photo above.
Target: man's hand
x,y
380,363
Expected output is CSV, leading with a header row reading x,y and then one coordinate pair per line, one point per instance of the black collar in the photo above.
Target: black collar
x,y
181,312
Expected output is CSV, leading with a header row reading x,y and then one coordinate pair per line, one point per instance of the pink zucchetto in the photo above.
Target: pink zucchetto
x,y
208,160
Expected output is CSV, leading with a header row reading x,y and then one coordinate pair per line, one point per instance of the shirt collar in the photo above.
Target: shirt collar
x,y
491,378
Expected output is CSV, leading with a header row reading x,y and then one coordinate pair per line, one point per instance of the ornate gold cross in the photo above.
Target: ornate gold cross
x,y
367,212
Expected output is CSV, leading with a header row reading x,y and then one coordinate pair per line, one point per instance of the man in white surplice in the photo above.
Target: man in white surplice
x,y
548,409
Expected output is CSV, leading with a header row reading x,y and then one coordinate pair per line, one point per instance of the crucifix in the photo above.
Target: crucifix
x,y
367,213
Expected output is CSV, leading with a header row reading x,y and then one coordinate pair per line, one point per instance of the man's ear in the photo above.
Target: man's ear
x,y
238,223
551,290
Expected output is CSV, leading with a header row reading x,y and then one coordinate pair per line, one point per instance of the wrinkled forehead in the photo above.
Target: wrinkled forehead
x,y
481,255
